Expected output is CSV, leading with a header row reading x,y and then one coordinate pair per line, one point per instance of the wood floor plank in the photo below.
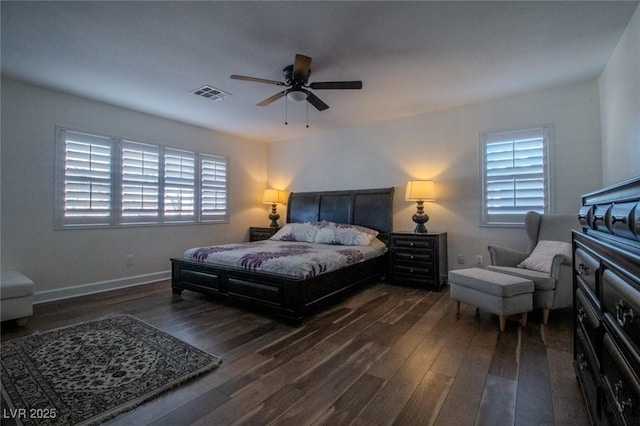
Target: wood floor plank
x,y
534,400
437,306
352,402
324,393
506,357
424,405
272,407
565,390
462,402
498,403
388,403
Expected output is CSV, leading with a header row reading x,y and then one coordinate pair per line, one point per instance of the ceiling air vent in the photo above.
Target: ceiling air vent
x,y
210,93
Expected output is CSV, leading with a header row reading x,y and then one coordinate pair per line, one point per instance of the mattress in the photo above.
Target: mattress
x,y
298,260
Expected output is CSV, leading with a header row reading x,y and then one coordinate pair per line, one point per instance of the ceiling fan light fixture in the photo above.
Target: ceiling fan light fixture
x,y
296,95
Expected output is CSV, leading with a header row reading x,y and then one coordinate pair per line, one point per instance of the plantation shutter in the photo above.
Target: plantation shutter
x,y
140,182
515,175
213,187
179,185
87,183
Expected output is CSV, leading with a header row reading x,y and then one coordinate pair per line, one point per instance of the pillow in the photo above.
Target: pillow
x,y
542,255
302,232
344,234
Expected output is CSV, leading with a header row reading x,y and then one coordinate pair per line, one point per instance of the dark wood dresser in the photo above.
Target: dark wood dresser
x,y
606,259
418,259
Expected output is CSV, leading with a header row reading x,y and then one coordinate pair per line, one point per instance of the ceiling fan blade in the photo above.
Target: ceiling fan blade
x,y
336,85
257,80
272,98
301,66
316,101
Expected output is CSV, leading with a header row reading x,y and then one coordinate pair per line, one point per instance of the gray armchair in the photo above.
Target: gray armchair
x,y
553,290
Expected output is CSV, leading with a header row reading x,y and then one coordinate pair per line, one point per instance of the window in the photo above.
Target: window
x,y
108,181
179,184
514,175
87,181
140,182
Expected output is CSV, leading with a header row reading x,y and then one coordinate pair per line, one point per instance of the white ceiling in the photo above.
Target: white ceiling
x,y
412,57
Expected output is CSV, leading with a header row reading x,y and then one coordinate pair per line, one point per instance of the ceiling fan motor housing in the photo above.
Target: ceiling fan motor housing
x,y
300,79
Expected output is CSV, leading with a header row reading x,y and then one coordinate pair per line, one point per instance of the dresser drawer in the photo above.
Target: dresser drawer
x,y
586,267
586,315
587,368
621,387
621,300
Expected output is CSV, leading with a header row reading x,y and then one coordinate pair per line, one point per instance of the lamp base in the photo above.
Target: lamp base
x,y
420,229
274,216
420,218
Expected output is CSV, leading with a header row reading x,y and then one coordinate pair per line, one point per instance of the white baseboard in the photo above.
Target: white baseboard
x,y
90,288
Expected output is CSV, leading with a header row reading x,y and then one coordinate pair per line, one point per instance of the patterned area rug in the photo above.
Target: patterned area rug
x,y
90,372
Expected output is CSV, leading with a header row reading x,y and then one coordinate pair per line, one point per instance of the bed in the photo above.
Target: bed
x,y
293,295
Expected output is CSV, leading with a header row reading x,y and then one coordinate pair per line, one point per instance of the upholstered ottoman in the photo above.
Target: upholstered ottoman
x,y
500,294
16,294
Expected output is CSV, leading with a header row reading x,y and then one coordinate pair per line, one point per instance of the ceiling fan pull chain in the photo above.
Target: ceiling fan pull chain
x,y
307,115
285,111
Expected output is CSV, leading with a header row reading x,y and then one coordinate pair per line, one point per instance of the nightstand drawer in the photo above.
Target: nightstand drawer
x,y
413,244
413,256
259,234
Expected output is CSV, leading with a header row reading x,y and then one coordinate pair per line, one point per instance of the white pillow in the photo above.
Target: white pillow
x,y
344,234
302,232
542,255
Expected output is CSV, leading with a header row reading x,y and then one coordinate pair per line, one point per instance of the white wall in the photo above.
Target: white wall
x,y
444,146
620,107
62,259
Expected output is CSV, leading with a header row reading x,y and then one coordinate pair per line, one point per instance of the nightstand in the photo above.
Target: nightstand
x,y
258,234
418,259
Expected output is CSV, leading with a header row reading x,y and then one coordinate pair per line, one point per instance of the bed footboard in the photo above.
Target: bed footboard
x,y
290,299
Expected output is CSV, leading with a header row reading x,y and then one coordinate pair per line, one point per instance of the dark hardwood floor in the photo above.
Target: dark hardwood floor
x,y
385,355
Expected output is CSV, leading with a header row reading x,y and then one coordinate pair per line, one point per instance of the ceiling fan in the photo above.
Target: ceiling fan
x,y
296,78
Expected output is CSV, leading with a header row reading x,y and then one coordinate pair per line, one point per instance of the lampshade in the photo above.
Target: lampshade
x,y
296,95
420,190
273,196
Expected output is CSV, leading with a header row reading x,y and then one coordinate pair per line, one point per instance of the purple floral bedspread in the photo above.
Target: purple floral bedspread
x,y
292,259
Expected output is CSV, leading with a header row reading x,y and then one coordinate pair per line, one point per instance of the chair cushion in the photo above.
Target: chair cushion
x,y
542,255
541,280
502,285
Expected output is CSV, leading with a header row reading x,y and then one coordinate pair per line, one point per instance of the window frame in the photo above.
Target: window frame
x,y
117,217
515,220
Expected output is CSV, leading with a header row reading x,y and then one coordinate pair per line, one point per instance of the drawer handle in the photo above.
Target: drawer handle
x,y
581,314
624,314
622,405
411,244
618,219
582,363
583,269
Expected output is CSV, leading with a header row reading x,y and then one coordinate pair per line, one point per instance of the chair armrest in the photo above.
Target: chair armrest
x,y
503,256
562,271
561,267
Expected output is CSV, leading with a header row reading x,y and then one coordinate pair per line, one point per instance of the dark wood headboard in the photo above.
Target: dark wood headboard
x,y
372,208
